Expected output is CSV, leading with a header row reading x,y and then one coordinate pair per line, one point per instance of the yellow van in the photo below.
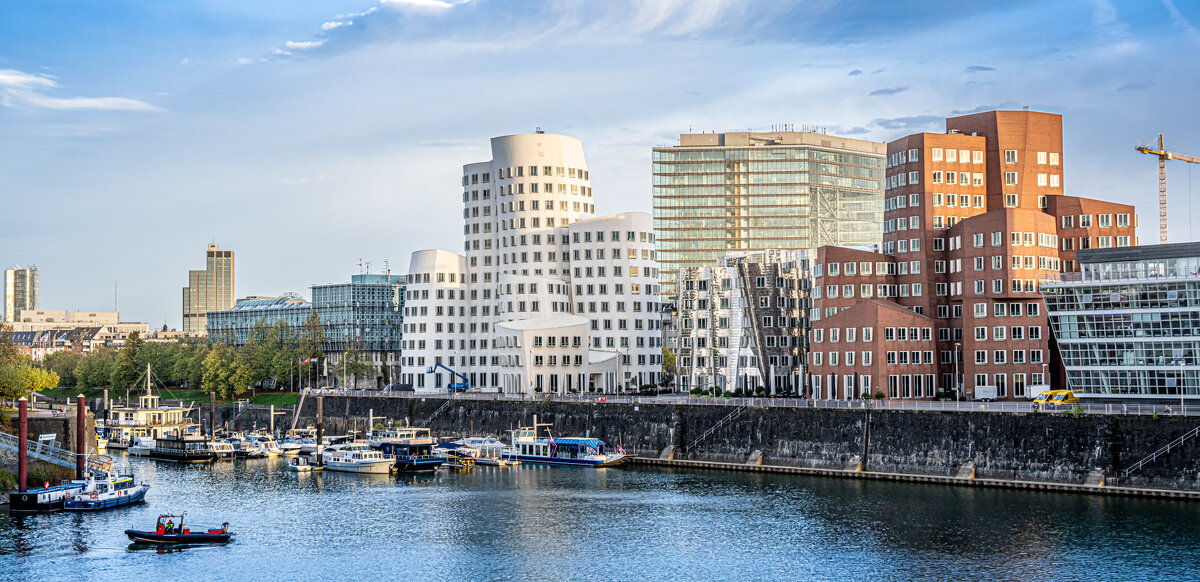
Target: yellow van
x,y
1056,398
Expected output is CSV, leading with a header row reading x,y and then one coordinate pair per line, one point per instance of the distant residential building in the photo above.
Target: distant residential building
x,y
20,291
743,322
209,290
1127,323
740,191
973,218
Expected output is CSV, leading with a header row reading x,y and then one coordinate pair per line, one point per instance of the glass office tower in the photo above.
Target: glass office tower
x,y
739,191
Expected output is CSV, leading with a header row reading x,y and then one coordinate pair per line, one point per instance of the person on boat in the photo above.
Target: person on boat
x,y
170,526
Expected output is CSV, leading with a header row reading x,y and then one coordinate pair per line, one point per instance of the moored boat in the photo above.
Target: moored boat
x,y
102,491
188,448
528,446
222,450
412,448
491,451
48,499
356,457
303,465
142,446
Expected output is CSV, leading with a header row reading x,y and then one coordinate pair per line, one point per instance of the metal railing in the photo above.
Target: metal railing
x,y
1130,409
53,453
1160,452
714,428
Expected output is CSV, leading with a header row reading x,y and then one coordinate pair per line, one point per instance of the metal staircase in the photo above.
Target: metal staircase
x,y
51,452
444,406
1187,436
724,421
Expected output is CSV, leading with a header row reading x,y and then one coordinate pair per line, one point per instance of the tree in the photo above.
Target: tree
x,y
218,371
129,367
311,340
8,349
63,363
668,368
17,381
352,365
96,369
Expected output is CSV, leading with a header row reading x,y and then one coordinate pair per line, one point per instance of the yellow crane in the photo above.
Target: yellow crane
x,y
1164,155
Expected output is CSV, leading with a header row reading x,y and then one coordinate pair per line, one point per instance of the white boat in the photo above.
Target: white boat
x,y
103,491
268,446
356,457
289,447
302,465
141,446
530,446
223,449
490,451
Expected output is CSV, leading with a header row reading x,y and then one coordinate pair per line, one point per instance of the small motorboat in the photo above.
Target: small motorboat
x,y
222,449
302,465
103,491
171,530
142,446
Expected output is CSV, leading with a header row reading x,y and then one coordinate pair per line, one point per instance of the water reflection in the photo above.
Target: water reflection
x,y
555,523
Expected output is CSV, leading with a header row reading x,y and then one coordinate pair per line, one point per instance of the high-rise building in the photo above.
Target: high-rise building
x,y
1125,324
740,191
973,218
20,291
208,290
538,263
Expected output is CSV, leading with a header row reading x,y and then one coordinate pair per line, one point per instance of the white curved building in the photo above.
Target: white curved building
x,y
535,251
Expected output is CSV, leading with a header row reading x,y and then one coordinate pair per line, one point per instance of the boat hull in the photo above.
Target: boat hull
x,y
86,503
40,500
198,457
573,462
149,537
419,465
373,468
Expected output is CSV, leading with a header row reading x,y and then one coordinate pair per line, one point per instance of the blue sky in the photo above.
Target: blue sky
x,y
308,135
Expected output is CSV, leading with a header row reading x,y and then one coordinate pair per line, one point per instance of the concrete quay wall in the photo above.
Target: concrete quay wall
x,y
1001,446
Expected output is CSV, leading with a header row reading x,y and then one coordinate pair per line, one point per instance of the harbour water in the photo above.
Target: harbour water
x,y
557,523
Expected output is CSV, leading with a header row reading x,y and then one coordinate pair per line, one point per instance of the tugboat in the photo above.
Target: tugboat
x,y
188,448
105,492
168,532
412,448
528,447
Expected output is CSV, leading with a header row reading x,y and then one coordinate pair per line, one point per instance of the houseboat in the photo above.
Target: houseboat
x,y
491,451
48,499
148,419
530,447
412,448
187,448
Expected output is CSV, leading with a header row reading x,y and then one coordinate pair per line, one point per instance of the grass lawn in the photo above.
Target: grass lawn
x,y
278,399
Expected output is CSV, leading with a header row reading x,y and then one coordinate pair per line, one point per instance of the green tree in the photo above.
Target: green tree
x,y
668,368
352,365
311,345
9,355
18,380
63,363
218,371
130,366
96,369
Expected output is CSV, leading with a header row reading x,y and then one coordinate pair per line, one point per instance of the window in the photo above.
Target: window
x,y
1010,156
935,154
1053,158
1122,220
937,177
1010,178
1041,158
1104,220
1054,180
1010,200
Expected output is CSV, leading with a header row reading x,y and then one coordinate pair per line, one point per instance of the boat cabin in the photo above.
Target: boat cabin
x,y
562,448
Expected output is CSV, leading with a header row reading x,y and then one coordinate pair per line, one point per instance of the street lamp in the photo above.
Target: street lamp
x,y
957,383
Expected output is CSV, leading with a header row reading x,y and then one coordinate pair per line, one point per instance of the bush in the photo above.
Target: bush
x,y
879,395
760,390
694,391
1076,411
865,395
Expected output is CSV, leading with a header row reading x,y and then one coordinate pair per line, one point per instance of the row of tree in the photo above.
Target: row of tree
x,y
18,375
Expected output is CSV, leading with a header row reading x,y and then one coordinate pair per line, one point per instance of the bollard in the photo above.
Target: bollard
x,y
80,437
22,443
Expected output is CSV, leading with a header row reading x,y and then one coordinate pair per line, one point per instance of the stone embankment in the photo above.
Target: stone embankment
x,y
986,447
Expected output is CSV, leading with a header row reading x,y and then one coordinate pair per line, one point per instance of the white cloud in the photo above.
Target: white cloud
x,y
243,61
420,4
303,45
332,24
18,89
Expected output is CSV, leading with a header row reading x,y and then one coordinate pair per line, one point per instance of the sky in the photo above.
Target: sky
x,y
311,136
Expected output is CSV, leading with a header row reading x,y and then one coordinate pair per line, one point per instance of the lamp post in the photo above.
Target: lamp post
x,y
957,384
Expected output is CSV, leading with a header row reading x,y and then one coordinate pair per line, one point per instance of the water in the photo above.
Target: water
x,y
552,523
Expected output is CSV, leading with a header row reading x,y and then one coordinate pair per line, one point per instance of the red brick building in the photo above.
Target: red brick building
x,y
972,219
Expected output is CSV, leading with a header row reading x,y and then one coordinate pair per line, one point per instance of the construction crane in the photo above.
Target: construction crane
x,y
1164,155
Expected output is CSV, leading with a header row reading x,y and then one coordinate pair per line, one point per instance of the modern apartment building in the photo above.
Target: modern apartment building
x,y
973,219
743,322
740,191
1128,323
20,291
534,254
208,290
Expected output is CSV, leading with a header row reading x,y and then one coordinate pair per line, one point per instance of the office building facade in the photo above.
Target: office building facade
x,y
209,290
973,219
535,252
20,292
1127,324
740,191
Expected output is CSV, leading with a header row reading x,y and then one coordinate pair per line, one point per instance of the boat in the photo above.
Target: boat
x,y
303,465
491,451
289,447
268,446
48,499
101,444
149,418
188,448
169,532
412,448
356,457
102,491
222,449
529,447
142,446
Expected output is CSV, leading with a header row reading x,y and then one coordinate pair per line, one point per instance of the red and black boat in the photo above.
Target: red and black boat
x,y
171,530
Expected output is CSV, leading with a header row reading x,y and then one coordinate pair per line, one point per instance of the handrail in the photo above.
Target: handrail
x,y
1164,450
56,455
445,405
729,417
